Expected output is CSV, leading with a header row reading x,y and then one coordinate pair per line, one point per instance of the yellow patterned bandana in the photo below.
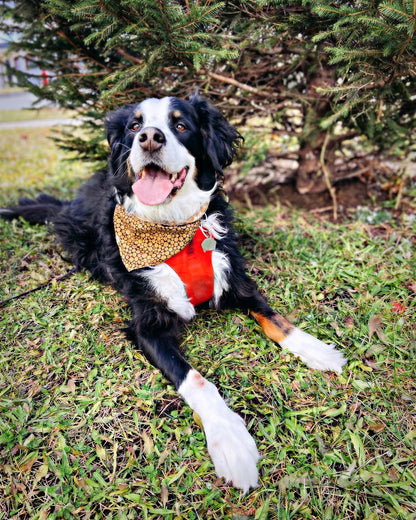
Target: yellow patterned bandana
x,y
143,244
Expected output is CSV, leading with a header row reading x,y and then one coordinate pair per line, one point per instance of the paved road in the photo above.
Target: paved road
x,y
38,122
19,100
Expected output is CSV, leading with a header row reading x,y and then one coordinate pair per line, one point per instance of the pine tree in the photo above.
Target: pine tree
x,y
348,68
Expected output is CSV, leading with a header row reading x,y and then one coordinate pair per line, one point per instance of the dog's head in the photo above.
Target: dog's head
x,y
162,149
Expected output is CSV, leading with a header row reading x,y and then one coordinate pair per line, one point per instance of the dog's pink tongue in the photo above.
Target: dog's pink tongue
x,y
153,188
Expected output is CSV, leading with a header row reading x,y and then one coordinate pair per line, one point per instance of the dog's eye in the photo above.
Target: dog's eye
x,y
136,126
180,126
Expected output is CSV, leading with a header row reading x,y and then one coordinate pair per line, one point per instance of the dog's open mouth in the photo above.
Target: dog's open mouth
x,y
155,185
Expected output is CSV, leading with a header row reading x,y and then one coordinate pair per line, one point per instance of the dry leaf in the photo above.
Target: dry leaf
x,y
334,325
81,483
27,463
163,456
377,427
148,444
102,454
349,321
43,515
34,389
382,337
374,323
164,495
40,474
197,419
71,385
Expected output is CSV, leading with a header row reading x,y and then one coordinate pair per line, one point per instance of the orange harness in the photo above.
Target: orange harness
x,y
193,265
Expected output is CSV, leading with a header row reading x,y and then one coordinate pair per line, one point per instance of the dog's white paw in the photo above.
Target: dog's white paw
x,y
314,352
231,447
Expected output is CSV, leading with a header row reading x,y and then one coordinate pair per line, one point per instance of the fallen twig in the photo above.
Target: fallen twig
x,y
41,286
327,176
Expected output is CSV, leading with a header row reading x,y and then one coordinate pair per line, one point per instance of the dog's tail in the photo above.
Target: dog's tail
x,y
38,211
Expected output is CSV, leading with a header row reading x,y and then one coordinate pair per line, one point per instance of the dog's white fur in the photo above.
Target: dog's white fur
x,y
232,449
168,285
314,352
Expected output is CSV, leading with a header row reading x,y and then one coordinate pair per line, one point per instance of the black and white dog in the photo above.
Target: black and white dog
x,y
157,227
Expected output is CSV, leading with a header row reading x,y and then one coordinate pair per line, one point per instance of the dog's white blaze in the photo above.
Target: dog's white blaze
x,y
232,449
155,112
314,352
172,157
168,285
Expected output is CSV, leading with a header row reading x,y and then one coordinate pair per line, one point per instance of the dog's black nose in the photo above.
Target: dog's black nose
x,y
151,139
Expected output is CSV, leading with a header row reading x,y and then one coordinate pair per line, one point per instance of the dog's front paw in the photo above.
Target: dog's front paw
x,y
232,449
314,352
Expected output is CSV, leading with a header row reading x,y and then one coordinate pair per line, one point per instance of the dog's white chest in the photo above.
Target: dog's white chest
x,y
169,286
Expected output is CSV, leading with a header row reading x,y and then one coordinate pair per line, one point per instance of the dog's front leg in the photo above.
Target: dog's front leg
x,y
232,449
315,353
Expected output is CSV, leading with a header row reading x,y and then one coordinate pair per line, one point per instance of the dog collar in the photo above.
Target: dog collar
x,y
144,244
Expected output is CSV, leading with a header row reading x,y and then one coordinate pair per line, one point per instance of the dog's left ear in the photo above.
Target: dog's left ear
x,y
220,138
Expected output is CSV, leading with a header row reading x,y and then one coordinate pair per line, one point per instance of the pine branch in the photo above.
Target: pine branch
x,y
235,83
251,57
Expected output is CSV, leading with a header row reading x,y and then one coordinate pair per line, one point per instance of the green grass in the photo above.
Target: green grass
x,y
30,163
89,430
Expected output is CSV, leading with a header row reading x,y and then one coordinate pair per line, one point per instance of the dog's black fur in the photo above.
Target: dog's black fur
x,y
84,227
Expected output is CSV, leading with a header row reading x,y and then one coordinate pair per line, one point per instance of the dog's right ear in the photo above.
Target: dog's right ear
x,y
115,126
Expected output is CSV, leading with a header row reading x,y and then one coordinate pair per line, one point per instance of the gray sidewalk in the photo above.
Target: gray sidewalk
x,y
17,100
21,100
38,123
